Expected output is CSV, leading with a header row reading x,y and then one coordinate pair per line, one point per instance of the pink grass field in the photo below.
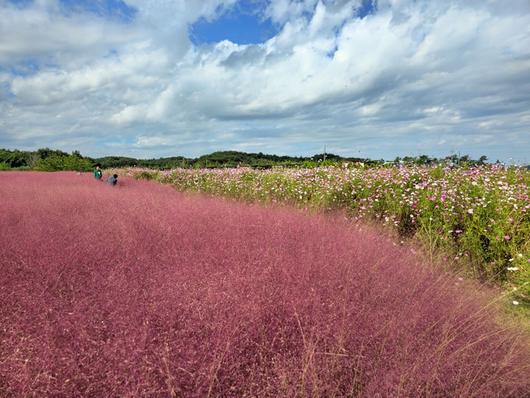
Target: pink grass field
x,y
137,290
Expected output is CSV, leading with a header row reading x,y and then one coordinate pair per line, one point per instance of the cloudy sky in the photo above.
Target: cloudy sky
x,y
378,79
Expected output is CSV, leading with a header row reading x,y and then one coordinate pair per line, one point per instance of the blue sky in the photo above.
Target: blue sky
x,y
152,78
247,23
244,23
111,9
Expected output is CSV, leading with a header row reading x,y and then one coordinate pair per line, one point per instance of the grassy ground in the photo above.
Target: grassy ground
x,y
137,290
478,217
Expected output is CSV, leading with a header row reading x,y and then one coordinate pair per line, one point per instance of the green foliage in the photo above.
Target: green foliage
x,y
116,161
45,153
220,159
146,175
14,158
109,162
452,160
56,162
44,159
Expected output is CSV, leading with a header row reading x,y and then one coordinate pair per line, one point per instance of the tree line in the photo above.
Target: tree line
x,y
46,159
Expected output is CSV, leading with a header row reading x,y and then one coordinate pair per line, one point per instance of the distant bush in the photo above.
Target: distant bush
x,y
146,175
60,163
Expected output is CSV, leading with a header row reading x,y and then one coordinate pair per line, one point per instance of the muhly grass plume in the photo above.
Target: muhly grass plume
x,y
479,216
137,290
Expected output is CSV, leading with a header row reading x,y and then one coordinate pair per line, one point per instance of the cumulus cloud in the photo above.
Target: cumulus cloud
x,y
43,33
407,77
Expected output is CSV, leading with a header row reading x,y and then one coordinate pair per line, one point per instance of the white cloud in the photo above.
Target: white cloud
x,y
151,141
413,74
282,11
42,33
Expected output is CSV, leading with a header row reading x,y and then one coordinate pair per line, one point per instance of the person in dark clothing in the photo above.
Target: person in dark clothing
x,y
113,179
98,174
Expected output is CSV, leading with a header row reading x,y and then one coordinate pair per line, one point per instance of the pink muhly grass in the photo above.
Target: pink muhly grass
x,y
137,290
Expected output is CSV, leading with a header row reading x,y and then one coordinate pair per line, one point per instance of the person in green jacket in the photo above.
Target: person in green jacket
x,y
98,174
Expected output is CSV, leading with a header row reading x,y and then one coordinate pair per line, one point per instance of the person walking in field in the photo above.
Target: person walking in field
x,y
98,173
113,179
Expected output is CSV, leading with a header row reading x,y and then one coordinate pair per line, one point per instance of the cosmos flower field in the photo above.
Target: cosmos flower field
x,y
138,290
